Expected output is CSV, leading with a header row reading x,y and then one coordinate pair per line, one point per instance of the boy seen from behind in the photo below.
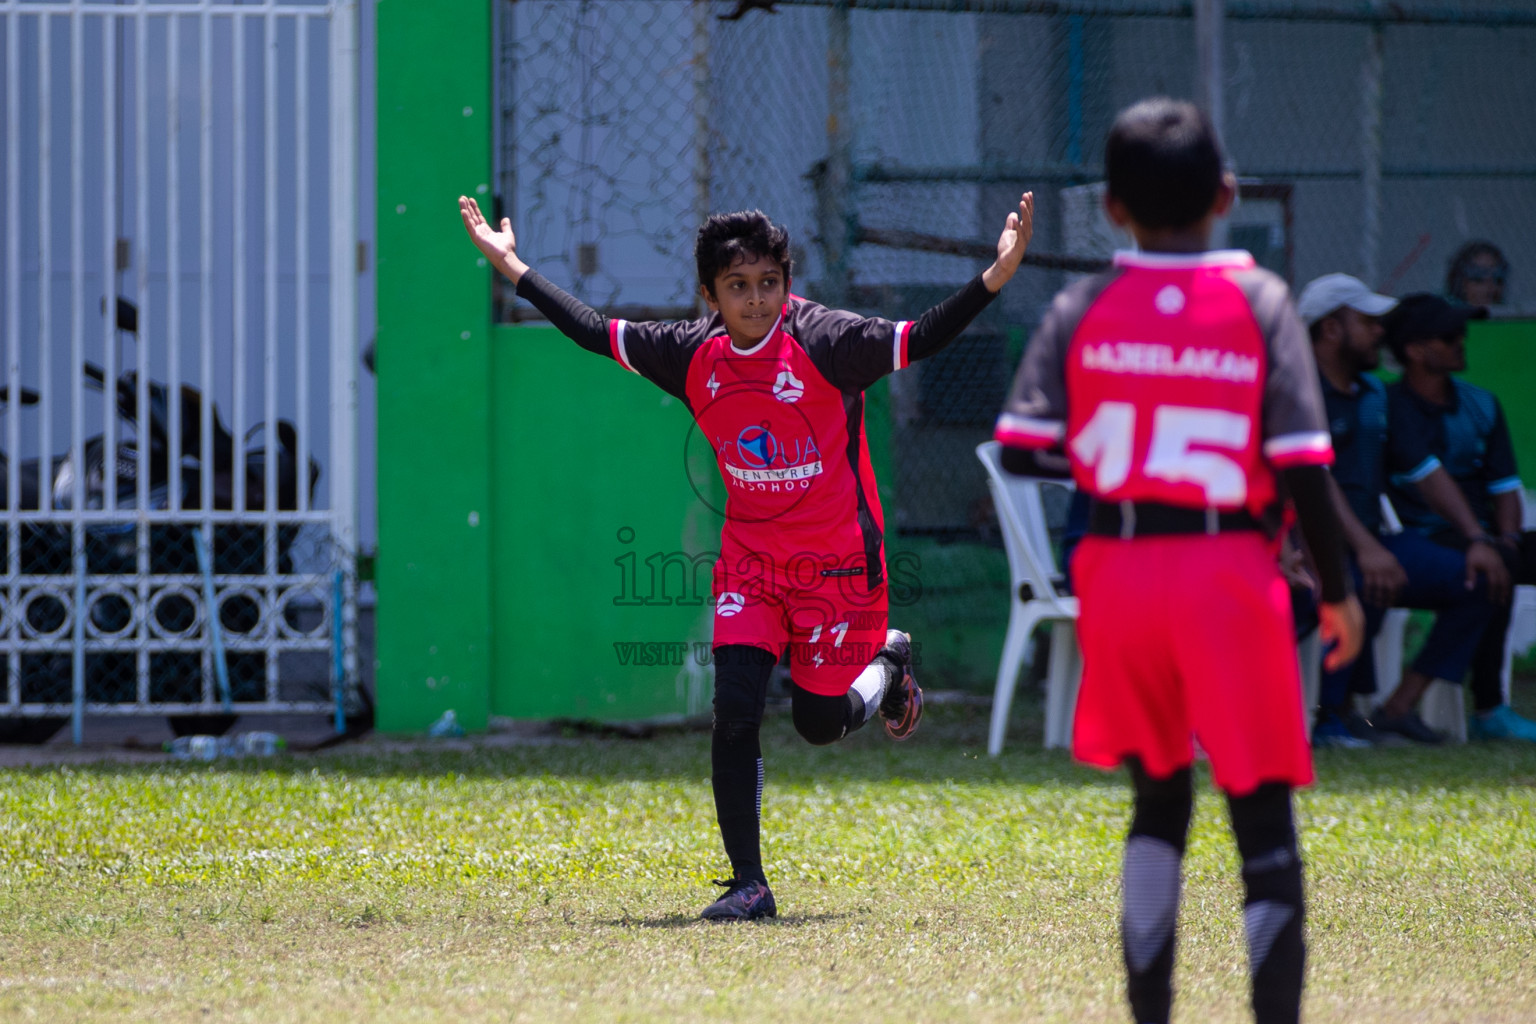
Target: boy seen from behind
x,y
1181,386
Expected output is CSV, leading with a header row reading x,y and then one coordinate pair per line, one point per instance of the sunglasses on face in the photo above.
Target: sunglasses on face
x,y
1478,273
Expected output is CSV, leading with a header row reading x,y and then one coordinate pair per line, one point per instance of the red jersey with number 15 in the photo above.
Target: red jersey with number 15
x,y
1172,378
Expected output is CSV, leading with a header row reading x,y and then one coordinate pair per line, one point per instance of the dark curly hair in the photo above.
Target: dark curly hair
x,y
727,238
1163,161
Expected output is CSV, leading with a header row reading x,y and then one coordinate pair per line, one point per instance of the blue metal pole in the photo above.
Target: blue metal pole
x,y
1075,89
338,653
215,631
77,660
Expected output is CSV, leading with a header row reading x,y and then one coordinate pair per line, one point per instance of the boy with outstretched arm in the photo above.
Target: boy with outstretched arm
x,y
776,384
1181,385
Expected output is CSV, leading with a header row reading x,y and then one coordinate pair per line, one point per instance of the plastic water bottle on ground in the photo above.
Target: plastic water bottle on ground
x,y
193,748
206,748
446,726
252,744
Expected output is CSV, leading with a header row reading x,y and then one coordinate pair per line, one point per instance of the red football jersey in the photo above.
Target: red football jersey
x,y
785,420
1180,379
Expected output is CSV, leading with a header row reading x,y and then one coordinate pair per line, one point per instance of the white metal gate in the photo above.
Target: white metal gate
x,y
177,480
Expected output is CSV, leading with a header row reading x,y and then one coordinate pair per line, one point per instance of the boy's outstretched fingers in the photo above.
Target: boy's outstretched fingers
x,y
499,246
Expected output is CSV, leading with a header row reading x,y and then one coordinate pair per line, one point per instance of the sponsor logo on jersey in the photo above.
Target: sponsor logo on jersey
x,y
712,384
761,458
787,387
1155,360
729,603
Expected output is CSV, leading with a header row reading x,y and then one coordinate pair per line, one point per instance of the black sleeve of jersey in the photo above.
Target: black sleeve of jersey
x,y
943,323
1320,527
1051,463
572,317
854,351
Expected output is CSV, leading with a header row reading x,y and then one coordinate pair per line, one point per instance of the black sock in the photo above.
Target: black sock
x,y
1154,852
736,757
1274,911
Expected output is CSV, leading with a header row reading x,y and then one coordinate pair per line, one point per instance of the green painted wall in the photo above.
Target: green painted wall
x,y
597,526
519,477
434,568
1501,356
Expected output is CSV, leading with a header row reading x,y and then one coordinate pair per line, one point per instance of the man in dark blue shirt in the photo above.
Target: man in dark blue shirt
x,y
1454,481
1403,569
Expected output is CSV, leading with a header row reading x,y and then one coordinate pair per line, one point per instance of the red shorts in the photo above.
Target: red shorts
x,y
1189,636
832,625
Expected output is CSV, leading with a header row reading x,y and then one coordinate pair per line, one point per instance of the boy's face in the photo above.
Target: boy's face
x,y
1439,355
1483,281
748,295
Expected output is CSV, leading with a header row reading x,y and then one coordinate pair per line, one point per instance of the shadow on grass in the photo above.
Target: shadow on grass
x,y
673,921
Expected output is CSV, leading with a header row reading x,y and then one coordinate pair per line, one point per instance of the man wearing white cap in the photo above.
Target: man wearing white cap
x,y
1341,314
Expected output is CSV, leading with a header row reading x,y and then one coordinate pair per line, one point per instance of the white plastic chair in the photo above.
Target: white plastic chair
x,y
1035,597
1522,616
1309,653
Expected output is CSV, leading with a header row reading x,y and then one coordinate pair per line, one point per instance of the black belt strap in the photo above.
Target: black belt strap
x,y
1127,519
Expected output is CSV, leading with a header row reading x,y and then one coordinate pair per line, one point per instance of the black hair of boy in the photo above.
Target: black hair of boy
x,y
727,238
1162,160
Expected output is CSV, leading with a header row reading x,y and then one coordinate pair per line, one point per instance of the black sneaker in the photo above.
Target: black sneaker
x,y
744,900
1360,727
1331,731
1409,725
902,706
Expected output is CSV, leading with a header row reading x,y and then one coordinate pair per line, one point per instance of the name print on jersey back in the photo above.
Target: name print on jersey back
x,y
1187,383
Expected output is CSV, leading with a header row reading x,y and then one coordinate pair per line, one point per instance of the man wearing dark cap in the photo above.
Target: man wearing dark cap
x,y
1397,569
1453,479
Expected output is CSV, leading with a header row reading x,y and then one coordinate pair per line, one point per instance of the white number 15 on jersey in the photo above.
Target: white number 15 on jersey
x,y
1107,442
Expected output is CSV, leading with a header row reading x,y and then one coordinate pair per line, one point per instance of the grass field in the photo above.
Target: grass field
x,y
558,880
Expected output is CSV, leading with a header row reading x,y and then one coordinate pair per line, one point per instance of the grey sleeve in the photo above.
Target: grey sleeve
x,y
1035,414
1295,427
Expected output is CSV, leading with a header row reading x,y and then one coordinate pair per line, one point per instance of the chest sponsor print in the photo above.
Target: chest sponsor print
x,y
758,455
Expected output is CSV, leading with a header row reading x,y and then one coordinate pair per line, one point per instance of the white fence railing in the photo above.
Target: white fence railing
x,y
177,296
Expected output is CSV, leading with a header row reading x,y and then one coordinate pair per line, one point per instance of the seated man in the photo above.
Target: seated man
x,y
1454,482
1404,569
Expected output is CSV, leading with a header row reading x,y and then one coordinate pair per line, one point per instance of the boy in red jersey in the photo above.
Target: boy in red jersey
x,y
776,384
1181,385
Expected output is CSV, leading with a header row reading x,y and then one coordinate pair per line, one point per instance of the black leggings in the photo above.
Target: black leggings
x,y
1273,909
741,689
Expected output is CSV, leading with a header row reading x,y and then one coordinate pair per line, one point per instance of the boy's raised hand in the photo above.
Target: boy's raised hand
x,y
500,247
1011,244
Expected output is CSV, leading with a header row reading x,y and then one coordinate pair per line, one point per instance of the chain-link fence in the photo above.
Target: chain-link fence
x,y
892,137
